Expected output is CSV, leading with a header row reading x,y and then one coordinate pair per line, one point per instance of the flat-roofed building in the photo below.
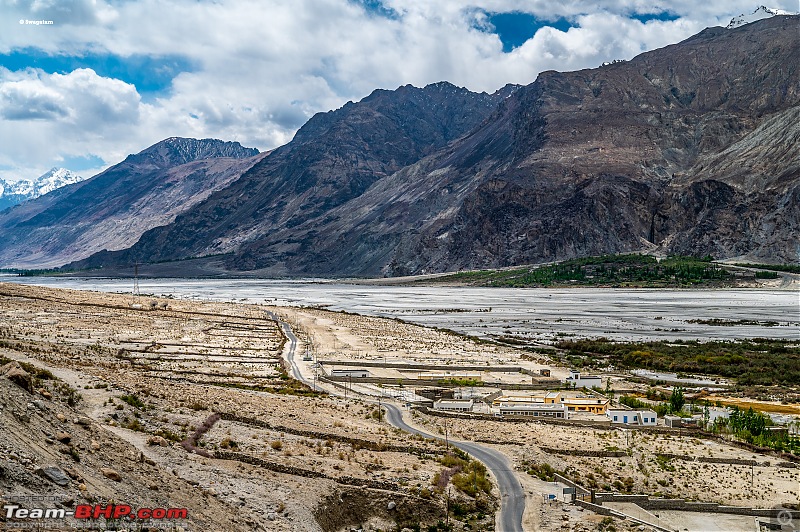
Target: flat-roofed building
x,y
520,399
350,372
553,410
577,380
454,405
592,405
640,418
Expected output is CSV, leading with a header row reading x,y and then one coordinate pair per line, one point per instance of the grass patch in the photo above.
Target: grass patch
x,y
607,270
756,361
134,401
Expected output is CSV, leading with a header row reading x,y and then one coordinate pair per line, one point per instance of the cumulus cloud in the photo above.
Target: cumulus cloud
x,y
52,116
261,68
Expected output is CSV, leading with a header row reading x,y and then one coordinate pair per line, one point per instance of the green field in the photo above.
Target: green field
x,y
607,270
758,361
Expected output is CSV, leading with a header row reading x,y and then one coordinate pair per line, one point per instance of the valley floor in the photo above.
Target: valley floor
x,y
134,385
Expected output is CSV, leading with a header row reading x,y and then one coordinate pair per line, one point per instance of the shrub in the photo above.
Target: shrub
x,y
133,401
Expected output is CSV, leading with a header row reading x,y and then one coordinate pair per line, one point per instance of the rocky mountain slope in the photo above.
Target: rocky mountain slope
x,y
114,208
334,158
15,193
690,148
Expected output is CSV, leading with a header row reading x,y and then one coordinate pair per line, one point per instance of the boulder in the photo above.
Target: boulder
x,y
111,474
54,474
14,372
157,440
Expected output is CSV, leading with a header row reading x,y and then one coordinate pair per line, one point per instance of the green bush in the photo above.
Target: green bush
x,y
133,401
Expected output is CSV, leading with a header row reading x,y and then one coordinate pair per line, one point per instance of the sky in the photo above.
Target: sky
x,y
84,83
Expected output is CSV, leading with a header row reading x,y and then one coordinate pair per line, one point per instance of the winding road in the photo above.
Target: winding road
x,y
512,496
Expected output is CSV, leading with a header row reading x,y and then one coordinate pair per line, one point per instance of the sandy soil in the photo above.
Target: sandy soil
x,y
144,372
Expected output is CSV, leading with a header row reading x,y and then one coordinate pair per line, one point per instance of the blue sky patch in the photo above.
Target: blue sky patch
x,y
515,28
376,7
151,75
82,162
647,17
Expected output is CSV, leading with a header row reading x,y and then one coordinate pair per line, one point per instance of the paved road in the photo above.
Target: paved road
x,y
291,352
512,496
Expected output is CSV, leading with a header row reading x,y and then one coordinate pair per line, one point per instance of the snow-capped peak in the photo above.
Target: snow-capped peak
x,y
53,179
761,12
23,190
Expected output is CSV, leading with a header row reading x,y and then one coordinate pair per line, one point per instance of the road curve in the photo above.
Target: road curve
x,y
512,496
292,348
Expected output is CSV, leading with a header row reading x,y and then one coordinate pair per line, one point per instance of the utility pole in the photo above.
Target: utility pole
x,y
446,443
136,279
448,507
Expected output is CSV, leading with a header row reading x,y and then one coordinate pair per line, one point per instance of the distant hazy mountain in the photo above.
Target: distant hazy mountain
x,y
14,193
761,12
693,148
112,209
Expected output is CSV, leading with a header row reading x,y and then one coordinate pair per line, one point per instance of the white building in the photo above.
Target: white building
x,y
454,405
576,380
642,418
354,373
554,410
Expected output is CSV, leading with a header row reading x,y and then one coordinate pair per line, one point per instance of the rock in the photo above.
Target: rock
x,y
61,417
95,445
111,474
82,486
157,440
39,404
153,487
73,474
63,437
54,474
83,420
44,393
391,506
14,372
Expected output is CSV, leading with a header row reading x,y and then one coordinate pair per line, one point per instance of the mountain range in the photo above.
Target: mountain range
x,y
692,148
16,192
112,209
